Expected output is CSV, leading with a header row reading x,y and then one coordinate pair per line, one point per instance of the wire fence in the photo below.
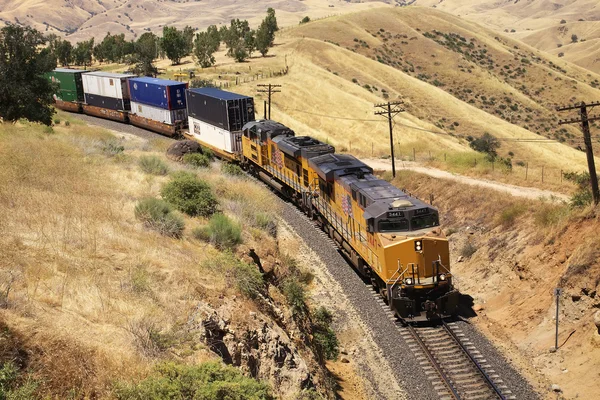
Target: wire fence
x,y
482,164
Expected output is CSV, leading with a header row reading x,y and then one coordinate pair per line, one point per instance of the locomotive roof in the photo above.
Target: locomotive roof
x,y
304,146
266,129
328,164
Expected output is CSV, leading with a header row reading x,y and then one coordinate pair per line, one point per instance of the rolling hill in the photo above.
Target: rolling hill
x,y
457,79
83,19
544,24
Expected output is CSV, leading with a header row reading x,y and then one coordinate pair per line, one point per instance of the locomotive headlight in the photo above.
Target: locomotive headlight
x,y
442,277
408,281
418,245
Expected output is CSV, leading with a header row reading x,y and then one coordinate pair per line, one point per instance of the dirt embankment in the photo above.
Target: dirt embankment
x,y
509,254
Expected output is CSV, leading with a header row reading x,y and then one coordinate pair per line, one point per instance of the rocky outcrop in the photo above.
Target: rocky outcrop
x,y
180,148
260,348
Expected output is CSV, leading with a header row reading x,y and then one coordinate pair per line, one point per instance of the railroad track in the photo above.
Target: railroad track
x,y
453,365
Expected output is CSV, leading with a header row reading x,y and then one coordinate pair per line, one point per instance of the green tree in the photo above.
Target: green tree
x,y
146,49
263,39
204,49
24,91
188,34
215,36
250,42
271,23
234,38
305,20
83,52
64,52
174,44
486,144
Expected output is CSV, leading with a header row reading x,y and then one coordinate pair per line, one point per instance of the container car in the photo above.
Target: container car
x,y
159,93
107,90
216,118
69,95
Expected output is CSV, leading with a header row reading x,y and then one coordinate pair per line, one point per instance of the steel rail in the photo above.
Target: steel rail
x,y
487,378
434,363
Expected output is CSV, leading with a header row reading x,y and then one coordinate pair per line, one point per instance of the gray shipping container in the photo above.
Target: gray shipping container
x,y
225,110
107,84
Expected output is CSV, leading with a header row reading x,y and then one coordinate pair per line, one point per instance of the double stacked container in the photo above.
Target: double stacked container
x,y
158,100
69,94
216,117
107,90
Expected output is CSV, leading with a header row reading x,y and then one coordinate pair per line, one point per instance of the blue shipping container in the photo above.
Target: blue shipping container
x,y
161,93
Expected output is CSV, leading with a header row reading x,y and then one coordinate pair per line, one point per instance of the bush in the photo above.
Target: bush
x,y
196,160
486,144
158,215
583,196
305,20
232,169
190,195
153,165
510,214
67,123
468,250
56,121
220,231
112,147
295,295
324,337
9,387
248,279
206,381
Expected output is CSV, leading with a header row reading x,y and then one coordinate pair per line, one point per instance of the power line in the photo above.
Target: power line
x,y
270,89
584,120
390,110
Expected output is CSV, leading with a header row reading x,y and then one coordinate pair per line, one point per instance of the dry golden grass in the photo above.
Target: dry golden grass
x,y
89,289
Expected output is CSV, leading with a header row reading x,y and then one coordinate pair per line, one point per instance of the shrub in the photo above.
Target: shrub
x,y
190,195
324,337
67,123
295,295
206,381
232,169
583,196
153,165
56,121
196,160
220,231
468,250
510,214
200,83
305,20
486,144
9,386
248,279
158,215
112,147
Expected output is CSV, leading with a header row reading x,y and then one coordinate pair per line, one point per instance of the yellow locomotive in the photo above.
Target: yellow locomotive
x,y
391,238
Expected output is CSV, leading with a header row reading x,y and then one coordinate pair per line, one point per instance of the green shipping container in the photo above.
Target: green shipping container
x,y
70,87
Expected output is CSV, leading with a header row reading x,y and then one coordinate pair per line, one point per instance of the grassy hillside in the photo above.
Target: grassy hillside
x,y
509,254
458,79
90,18
542,24
91,298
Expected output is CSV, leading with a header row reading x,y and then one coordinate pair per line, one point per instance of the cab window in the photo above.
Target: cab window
x,y
397,225
425,221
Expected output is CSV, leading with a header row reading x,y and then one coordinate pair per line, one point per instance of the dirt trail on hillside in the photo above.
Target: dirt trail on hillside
x,y
518,191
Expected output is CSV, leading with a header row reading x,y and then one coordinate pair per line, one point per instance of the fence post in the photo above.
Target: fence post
x,y
475,161
414,154
542,174
561,175
492,165
444,157
526,169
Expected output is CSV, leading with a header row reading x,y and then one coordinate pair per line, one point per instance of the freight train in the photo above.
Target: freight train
x,y
392,239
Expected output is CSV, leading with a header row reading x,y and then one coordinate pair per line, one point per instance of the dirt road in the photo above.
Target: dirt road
x,y
519,191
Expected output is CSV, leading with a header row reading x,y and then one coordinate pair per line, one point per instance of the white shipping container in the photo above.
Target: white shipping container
x,y
158,114
106,84
219,138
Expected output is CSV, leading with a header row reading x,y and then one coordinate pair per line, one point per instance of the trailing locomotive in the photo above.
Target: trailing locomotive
x,y
392,239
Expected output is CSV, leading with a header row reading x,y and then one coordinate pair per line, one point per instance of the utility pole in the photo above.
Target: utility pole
x,y
390,110
584,120
269,89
